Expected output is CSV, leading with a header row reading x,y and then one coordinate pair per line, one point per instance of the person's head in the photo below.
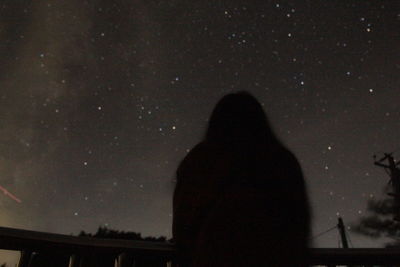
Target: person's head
x,y
239,117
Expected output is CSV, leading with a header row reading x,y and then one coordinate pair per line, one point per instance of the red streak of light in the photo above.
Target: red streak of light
x,y
5,191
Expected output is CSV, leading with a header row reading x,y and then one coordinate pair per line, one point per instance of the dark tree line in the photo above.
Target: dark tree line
x,y
104,232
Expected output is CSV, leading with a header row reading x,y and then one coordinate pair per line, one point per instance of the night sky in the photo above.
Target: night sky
x,y
101,100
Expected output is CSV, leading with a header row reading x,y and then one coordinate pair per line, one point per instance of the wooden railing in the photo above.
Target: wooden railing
x,y
38,248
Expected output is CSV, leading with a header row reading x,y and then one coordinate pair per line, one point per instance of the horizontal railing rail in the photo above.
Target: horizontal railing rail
x,y
17,239
355,256
84,251
31,242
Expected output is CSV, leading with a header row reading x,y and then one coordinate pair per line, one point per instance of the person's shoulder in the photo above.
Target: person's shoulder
x,y
193,156
196,151
202,149
287,156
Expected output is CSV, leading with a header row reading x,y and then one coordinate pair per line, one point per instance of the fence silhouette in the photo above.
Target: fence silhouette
x,y
73,251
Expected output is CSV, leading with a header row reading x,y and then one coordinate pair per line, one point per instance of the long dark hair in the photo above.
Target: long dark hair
x,y
240,118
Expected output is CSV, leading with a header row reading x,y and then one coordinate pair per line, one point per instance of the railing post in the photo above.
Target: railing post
x,y
172,264
25,259
125,260
75,260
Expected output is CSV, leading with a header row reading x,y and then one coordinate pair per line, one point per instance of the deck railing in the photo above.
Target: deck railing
x,y
38,249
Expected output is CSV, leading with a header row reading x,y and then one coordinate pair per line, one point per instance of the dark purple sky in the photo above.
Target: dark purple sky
x,y
100,100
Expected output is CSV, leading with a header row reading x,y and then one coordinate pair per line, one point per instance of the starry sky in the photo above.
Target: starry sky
x,y
100,100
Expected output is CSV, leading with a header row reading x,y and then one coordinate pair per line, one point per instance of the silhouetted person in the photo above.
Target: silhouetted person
x,y
240,197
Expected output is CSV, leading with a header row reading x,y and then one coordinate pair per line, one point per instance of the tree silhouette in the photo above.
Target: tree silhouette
x,y
384,217
104,232
381,221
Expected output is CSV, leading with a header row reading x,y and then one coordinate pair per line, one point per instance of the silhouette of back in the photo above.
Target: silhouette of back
x,y
240,197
